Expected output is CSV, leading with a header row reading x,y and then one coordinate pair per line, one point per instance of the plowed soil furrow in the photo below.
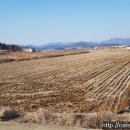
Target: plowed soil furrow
x,y
95,81
109,84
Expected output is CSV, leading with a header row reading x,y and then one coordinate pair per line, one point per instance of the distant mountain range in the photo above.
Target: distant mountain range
x,y
83,44
121,41
114,42
70,45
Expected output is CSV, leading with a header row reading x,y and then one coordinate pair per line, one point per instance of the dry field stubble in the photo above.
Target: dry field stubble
x,y
6,56
89,82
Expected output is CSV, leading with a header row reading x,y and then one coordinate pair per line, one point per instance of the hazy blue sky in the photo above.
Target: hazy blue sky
x,y
43,21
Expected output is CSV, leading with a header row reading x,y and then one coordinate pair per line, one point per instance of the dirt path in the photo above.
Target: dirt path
x,y
20,126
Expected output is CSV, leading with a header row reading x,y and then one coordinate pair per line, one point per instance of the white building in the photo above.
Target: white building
x,y
122,46
128,48
95,48
29,50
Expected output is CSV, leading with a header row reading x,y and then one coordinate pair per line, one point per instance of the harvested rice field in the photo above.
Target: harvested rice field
x,y
80,83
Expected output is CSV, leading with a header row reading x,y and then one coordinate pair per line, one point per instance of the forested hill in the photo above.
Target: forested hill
x,y
8,47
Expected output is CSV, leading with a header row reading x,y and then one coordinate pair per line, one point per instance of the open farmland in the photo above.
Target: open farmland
x,y
95,81
7,56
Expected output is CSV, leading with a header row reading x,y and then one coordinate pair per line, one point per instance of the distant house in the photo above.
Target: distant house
x,y
124,46
128,48
29,50
95,48
79,47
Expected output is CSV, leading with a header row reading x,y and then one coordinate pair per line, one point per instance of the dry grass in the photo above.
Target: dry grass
x,y
83,120
21,56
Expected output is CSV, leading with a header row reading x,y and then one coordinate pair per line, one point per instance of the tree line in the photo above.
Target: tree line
x,y
8,47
